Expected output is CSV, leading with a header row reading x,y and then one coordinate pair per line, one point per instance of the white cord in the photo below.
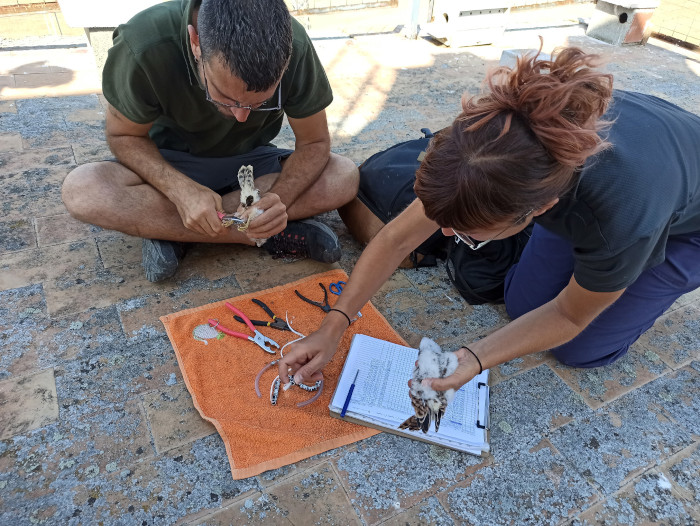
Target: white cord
x,y
286,316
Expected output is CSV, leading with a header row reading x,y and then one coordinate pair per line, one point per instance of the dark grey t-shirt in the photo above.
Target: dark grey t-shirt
x,y
633,196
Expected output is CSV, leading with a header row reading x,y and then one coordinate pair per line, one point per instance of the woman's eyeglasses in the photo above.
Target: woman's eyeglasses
x,y
263,106
476,245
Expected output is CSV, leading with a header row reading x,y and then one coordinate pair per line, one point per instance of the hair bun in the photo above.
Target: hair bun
x,y
563,100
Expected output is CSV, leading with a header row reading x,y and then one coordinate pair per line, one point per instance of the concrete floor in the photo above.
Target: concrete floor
x,y
96,426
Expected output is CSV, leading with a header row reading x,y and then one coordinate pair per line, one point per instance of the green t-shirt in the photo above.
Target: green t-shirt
x,y
150,76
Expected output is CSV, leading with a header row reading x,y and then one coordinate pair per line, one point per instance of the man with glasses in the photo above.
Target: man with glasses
x,y
195,90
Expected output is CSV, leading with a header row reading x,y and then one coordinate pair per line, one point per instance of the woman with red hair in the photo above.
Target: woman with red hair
x,y
611,181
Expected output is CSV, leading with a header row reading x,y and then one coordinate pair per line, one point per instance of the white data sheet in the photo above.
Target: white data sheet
x,y
381,394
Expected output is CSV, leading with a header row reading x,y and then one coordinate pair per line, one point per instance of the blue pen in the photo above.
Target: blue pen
x,y
347,398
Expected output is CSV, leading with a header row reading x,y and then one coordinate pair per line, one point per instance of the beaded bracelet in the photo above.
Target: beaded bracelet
x,y
341,312
481,368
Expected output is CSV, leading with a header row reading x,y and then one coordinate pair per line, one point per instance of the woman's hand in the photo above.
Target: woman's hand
x,y
378,261
467,368
309,356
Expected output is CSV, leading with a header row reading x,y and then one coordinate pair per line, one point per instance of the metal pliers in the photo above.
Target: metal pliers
x,y
258,338
276,323
325,307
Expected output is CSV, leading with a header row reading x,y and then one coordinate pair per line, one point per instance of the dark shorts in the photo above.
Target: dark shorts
x,y
221,173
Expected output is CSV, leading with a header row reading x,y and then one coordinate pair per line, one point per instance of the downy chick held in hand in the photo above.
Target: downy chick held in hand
x,y
428,404
249,196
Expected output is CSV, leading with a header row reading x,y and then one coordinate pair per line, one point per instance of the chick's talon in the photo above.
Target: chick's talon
x,y
244,226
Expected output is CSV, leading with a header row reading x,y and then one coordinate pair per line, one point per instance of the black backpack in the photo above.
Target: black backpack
x,y
386,188
479,275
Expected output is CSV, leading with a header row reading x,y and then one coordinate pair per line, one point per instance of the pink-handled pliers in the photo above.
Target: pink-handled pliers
x,y
258,338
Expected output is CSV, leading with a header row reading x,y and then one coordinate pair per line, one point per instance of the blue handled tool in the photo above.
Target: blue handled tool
x,y
347,398
336,288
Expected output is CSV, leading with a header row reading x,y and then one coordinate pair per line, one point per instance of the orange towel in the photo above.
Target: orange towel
x,y
220,376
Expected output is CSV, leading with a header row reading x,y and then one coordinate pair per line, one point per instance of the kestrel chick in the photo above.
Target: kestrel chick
x,y
249,196
429,404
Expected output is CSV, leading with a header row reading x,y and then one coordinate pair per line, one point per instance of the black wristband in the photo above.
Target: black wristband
x,y
341,312
481,368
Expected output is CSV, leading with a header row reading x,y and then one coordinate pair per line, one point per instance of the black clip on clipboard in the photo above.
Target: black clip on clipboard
x,y
483,409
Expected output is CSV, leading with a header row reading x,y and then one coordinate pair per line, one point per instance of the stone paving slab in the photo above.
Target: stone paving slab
x,y
172,417
45,121
430,511
535,487
667,495
648,500
315,497
388,473
61,228
633,433
48,72
27,403
519,365
142,315
129,369
683,470
162,489
31,185
675,337
529,407
256,510
601,385
85,334
275,476
23,318
10,141
8,106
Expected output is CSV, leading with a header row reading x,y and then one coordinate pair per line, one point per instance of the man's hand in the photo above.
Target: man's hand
x,y
197,206
273,219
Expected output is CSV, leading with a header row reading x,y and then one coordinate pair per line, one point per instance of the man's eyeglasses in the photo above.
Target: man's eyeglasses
x,y
263,106
476,245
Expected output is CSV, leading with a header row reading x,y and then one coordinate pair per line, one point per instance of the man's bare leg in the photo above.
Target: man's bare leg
x,y
361,222
364,225
111,196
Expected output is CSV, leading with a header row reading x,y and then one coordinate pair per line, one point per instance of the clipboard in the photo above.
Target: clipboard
x,y
479,388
